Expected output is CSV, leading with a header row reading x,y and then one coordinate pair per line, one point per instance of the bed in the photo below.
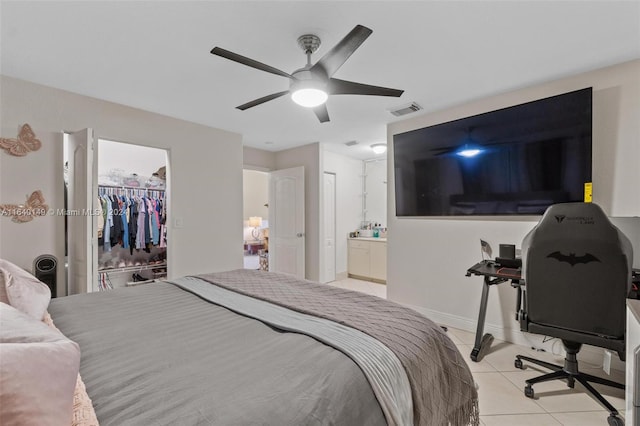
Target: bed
x,y
259,348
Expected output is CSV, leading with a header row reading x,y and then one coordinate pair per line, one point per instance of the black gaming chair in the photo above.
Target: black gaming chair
x,y
576,267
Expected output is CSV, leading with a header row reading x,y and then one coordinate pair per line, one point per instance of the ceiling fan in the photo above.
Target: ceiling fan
x,y
311,85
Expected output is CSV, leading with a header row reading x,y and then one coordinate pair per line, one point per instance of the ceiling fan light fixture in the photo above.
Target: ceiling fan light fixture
x,y
469,151
379,148
309,97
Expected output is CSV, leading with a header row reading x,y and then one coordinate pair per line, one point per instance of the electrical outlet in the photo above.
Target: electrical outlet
x,y
606,364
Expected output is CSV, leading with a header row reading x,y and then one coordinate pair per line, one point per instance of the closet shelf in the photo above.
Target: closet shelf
x,y
135,268
135,283
131,187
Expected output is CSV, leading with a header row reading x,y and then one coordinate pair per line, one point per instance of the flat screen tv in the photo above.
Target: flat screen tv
x,y
512,161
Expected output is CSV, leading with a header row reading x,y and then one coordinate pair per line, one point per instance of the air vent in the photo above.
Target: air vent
x,y
351,143
405,109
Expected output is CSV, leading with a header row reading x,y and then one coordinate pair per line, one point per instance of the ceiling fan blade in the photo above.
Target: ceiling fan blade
x,y
248,62
344,87
333,59
322,113
261,100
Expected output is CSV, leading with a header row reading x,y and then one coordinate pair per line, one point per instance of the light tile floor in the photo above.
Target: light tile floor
x,y
501,384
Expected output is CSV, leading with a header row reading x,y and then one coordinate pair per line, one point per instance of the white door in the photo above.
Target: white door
x,y
286,221
329,240
82,241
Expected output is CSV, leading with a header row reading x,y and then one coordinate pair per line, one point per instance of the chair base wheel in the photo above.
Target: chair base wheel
x,y
518,364
528,391
615,421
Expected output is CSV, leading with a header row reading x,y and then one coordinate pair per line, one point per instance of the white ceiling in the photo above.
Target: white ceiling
x,y
155,56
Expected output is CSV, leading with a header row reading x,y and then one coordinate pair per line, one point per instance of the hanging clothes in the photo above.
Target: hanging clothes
x,y
147,222
133,218
133,224
142,219
108,225
155,229
100,214
123,218
100,218
156,234
116,235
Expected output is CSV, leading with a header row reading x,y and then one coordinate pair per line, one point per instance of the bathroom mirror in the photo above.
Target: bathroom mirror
x,y
375,191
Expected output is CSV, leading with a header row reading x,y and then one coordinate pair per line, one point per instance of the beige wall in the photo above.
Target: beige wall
x,y
255,194
258,159
21,243
428,257
205,166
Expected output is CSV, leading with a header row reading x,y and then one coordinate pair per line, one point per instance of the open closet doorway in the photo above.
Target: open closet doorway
x,y
255,219
133,194
128,209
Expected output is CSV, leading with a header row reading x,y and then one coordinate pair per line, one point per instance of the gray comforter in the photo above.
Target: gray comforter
x,y
379,364
442,385
156,354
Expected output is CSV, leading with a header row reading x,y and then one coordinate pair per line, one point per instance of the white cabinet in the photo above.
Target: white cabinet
x,y
367,258
378,260
359,253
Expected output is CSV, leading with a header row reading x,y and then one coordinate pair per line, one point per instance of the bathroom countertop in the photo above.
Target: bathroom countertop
x,y
381,239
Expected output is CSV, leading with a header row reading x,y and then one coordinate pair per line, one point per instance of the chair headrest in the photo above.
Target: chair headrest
x,y
576,223
574,220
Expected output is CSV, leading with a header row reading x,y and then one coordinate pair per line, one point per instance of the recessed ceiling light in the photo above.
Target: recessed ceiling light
x,y
379,148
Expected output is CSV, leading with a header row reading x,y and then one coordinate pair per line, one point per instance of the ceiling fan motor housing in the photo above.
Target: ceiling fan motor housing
x,y
305,78
309,43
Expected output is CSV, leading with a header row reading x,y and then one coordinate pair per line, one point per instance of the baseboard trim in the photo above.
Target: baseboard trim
x,y
342,276
363,278
588,354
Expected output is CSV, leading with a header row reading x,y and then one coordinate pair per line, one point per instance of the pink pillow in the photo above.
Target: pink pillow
x,y
38,371
24,291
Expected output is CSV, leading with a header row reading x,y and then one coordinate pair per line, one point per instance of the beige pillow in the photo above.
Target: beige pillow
x,y
24,291
38,371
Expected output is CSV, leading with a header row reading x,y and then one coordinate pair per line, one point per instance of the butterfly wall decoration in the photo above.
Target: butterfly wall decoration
x,y
22,213
25,143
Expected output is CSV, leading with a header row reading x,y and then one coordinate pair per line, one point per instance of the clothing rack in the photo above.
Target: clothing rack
x,y
138,191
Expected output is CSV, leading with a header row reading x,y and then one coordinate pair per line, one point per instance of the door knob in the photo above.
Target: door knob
x,y
300,234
